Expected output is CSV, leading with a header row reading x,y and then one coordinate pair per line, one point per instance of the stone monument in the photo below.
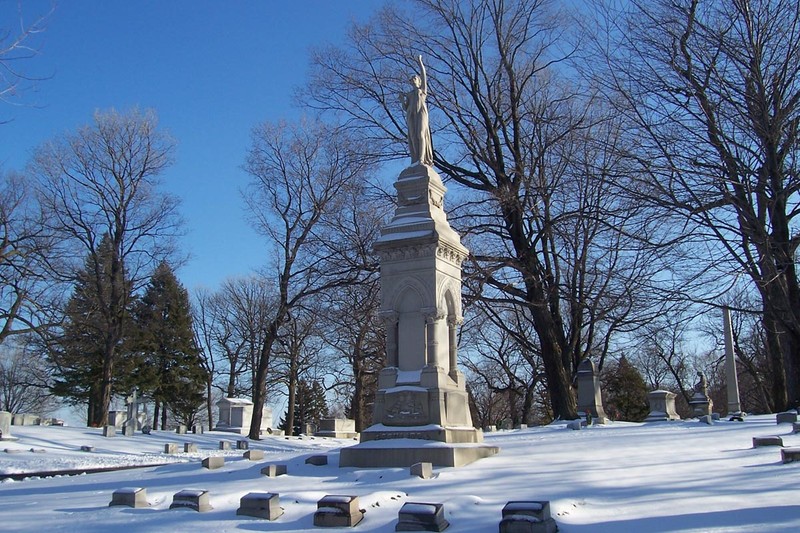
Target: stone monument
x,y
731,379
700,403
662,406
590,400
421,405
235,415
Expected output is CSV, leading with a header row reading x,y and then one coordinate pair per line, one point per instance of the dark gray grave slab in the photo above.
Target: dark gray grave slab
x,y
260,505
527,517
317,460
274,470
422,470
790,455
189,447
788,417
170,448
414,516
214,462
772,440
87,448
130,497
194,499
338,511
254,455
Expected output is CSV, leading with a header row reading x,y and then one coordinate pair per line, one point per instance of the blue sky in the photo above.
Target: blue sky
x,y
211,70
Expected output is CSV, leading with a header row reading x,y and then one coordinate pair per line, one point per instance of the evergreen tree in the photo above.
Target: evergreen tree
x,y
310,405
625,392
172,371
88,357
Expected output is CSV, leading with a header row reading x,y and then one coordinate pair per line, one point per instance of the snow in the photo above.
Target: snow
x,y
658,477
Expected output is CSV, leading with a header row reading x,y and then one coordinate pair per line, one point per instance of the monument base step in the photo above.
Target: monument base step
x,y
406,452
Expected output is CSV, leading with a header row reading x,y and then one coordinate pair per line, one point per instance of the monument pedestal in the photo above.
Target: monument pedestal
x,y
421,408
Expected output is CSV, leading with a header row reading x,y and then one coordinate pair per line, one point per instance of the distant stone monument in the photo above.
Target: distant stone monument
x,y
590,399
235,415
421,392
662,406
731,378
337,428
700,403
5,425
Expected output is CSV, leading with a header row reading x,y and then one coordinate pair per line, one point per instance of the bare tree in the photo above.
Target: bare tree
x,y
300,176
101,186
712,92
18,44
24,380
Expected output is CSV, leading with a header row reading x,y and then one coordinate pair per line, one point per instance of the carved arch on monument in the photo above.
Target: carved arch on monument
x,y
408,300
400,293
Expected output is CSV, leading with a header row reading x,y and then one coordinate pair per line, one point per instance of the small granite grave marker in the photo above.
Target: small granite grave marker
x,y
317,460
242,444
786,418
87,448
527,517
254,455
224,445
338,511
421,517
790,455
189,447
214,462
170,448
196,500
795,427
129,496
109,431
260,505
274,470
180,430
197,429
422,470
772,440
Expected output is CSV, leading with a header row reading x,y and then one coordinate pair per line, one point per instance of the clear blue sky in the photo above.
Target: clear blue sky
x,y
211,70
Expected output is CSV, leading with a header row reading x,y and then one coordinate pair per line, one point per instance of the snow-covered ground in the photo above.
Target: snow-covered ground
x,y
663,477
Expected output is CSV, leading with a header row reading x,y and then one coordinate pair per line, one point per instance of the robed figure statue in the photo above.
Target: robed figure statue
x,y
419,132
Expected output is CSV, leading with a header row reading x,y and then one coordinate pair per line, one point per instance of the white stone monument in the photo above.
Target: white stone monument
x,y
235,415
732,380
421,393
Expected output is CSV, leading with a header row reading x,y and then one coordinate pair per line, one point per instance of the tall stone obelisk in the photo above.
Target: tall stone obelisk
x,y
421,408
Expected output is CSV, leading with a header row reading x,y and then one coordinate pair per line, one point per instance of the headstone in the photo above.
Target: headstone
x,y
489,429
527,517
146,429
790,455
189,447
5,425
128,430
116,419
87,448
38,450
788,417
254,455
196,500
213,462
180,430
109,431
700,403
422,470
274,470
260,505
521,426
421,517
170,448
197,429
662,406
242,445
590,399
130,497
772,440
575,424
337,428
338,511
731,378
317,460
795,427
224,445
421,392
506,424
706,419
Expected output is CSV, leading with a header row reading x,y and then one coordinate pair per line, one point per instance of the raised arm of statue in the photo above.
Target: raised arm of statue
x,y
415,105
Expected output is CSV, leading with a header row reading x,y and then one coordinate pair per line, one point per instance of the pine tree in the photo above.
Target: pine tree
x,y
625,392
172,372
89,357
310,405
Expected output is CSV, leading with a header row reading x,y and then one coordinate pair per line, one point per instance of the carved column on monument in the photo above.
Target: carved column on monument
x,y
432,317
452,348
390,319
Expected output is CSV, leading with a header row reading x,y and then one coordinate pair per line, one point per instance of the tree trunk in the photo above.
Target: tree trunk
x,y
260,383
164,416
156,409
209,405
290,408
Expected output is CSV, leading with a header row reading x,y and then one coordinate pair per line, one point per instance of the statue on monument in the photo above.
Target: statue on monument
x,y
419,133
